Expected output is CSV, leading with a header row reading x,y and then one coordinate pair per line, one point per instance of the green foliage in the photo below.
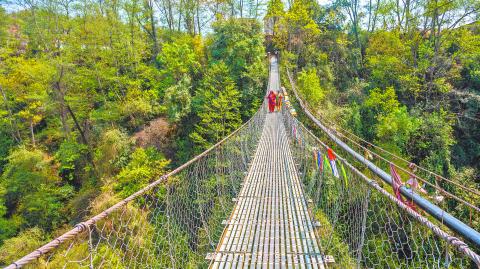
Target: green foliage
x,y
431,143
309,86
275,8
8,226
394,130
217,104
25,84
70,156
385,59
239,44
77,81
145,166
177,99
6,142
138,106
178,59
382,102
339,250
390,123
3,23
113,152
21,245
299,20
32,189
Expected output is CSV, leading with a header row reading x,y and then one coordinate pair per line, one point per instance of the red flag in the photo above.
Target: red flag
x,y
331,155
396,183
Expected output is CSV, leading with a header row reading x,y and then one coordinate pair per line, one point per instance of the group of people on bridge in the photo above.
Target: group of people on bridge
x,y
275,100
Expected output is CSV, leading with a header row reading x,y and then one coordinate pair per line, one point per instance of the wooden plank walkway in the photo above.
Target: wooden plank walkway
x,y
270,226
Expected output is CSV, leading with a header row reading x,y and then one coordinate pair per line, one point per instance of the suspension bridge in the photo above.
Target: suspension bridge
x,y
266,196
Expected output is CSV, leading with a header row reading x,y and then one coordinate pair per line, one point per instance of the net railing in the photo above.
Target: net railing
x,y
462,202
361,224
449,193
172,223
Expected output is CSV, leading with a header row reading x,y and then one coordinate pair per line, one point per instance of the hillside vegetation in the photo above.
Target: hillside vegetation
x,y
100,98
402,75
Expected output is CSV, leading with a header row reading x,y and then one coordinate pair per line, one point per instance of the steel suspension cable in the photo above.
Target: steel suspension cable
x,y
449,220
458,243
438,188
330,123
449,194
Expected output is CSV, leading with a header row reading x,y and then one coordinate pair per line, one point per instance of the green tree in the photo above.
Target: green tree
x,y
178,59
24,243
3,24
71,155
387,122
301,27
24,86
385,58
394,130
217,105
431,143
275,12
33,190
177,99
239,44
145,166
309,86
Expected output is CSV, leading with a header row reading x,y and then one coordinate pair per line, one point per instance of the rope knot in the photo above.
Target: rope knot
x,y
82,226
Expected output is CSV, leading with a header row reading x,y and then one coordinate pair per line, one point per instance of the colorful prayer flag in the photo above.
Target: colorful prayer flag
x,y
344,174
413,184
319,160
396,183
333,165
326,164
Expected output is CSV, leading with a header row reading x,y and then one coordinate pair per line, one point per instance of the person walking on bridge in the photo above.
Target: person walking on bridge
x,y
279,100
271,101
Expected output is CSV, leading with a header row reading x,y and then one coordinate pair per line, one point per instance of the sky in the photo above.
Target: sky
x,y
324,2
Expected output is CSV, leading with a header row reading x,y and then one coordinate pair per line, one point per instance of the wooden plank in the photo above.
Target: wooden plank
x,y
270,226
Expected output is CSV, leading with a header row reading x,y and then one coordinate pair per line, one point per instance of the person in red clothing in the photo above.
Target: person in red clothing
x,y
271,101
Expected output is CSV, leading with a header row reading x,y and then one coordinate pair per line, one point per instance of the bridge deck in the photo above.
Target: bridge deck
x,y
270,225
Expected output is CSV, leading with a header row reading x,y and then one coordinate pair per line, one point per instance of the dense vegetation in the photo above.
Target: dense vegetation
x,y
100,98
403,75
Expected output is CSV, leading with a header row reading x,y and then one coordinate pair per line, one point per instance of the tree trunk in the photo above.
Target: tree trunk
x,y
32,133
82,135
14,132
60,94
77,125
149,6
198,18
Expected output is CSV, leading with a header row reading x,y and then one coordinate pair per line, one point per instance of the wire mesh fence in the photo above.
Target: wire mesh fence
x,y
361,224
460,200
172,223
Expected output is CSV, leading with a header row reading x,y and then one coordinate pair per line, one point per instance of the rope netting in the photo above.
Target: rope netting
x,y
361,224
462,202
172,223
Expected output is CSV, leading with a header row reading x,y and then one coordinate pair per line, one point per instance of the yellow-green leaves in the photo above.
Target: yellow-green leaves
x,y
309,86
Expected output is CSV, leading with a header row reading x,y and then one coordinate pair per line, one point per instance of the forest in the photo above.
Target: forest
x,y
100,98
402,75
